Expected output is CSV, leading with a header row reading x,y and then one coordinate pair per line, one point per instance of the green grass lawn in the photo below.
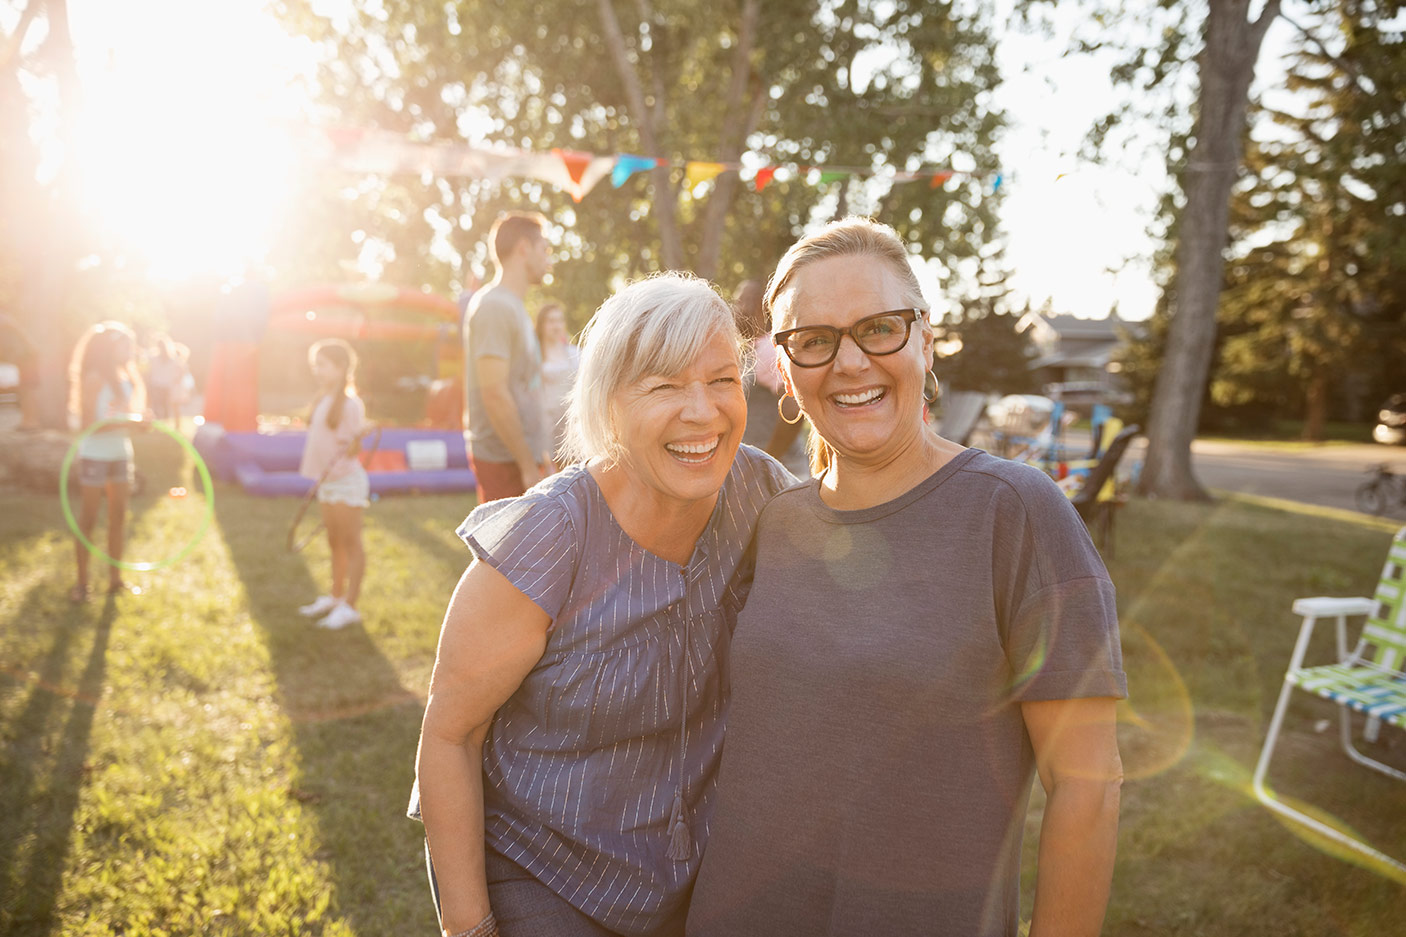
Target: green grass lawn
x,y
200,760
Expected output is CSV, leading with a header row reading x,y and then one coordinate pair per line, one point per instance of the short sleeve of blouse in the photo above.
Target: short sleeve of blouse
x,y
532,541
1062,634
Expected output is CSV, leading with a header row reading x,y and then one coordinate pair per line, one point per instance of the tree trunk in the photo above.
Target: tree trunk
x,y
48,241
665,195
1316,408
1226,68
740,120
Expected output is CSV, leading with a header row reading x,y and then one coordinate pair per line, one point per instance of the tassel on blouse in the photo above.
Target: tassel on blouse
x,y
680,839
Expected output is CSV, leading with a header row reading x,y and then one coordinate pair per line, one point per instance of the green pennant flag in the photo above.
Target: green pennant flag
x,y
831,177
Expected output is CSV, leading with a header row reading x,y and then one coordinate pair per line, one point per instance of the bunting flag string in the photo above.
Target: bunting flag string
x,y
573,171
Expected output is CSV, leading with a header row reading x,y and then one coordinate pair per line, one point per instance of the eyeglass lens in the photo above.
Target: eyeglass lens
x,y
881,334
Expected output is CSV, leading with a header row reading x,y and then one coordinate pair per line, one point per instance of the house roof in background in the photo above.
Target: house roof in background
x,y
1065,328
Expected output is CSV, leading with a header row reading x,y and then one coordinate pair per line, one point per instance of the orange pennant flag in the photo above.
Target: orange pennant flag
x,y
696,173
764,176
939,179
575,161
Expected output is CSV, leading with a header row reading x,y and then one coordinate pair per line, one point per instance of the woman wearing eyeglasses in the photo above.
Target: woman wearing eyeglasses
x,y
929,627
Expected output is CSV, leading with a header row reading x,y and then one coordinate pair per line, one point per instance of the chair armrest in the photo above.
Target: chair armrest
x,y
1323,606
1316,607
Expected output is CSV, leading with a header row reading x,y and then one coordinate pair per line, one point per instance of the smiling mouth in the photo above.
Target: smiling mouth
x,y
693,453
860,399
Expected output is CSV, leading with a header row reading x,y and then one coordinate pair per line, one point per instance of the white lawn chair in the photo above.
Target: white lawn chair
x,y
1371,679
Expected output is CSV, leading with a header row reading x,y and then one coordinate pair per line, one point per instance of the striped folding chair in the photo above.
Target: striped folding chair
x,y
1370,679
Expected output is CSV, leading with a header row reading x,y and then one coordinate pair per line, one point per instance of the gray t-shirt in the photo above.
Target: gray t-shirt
x,y
877,768
497,326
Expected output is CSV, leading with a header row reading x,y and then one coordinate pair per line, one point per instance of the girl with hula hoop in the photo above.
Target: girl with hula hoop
x,y
104,384
343,489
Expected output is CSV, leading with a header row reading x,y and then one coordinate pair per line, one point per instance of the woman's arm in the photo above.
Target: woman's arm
x,y
1076,753
493,635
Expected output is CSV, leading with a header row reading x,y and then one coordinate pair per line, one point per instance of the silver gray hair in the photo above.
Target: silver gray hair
x,y
653,326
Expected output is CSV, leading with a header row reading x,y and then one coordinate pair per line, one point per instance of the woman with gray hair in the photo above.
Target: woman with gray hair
x,y
568,757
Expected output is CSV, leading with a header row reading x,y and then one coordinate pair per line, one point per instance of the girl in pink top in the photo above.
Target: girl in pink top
x,y
329,458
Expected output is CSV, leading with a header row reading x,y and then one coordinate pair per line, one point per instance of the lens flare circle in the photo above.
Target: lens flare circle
x,y
208,488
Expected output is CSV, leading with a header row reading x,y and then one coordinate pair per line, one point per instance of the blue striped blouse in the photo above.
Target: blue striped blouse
x,y
582,763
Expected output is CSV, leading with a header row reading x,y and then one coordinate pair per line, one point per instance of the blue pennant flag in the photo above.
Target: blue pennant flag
x,y
627,165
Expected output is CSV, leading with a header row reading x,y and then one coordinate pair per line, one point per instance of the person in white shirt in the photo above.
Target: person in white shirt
x,y
560,359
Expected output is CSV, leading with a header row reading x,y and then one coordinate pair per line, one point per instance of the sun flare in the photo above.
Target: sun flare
x,y
185,146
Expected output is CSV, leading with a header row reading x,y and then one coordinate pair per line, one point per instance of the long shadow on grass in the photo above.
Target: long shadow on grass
x,y
354,725
42,769
445,545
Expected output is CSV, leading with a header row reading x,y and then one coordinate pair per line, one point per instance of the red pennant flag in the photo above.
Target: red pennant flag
x,y
939,179
764,176
575,161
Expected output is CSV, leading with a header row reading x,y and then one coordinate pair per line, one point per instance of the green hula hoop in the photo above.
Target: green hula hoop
x,y
208,489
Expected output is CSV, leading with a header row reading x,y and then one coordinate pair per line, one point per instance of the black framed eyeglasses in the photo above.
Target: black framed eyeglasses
x,y
883,333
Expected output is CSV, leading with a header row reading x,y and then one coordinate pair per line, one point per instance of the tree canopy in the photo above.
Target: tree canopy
x,y
990,356
1315,299
1309,317
877,88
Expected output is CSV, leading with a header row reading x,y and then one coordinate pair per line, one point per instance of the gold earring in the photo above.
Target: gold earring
x,y
781,408
930,380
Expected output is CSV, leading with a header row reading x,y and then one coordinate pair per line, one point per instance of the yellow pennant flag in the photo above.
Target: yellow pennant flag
x,y
695,173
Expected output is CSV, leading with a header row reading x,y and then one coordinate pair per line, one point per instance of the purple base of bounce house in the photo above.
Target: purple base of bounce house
x,y
267,463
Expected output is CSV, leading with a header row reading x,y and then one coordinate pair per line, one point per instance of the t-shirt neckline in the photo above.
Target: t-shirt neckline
x,y
864,515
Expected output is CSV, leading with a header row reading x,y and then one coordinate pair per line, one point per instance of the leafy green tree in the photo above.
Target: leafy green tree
x,y
992,356
881,88
1315,288
1195,62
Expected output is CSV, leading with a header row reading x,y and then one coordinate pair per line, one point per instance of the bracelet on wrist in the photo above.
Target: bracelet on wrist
x,y
488,927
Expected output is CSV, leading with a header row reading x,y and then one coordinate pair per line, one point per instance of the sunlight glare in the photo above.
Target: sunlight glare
x,y
185,143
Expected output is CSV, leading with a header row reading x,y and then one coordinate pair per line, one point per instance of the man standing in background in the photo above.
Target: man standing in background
x,y
507,441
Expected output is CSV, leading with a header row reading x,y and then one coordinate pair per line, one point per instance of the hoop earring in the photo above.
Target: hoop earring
x,y
930,379
781,409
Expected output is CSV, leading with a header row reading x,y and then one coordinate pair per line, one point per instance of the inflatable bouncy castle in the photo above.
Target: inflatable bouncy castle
x,y
263,459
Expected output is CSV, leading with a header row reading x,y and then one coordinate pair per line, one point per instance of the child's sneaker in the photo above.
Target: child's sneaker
x,y
340,617
318,607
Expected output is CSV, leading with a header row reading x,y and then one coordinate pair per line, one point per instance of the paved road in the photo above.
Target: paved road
x,y
1326,475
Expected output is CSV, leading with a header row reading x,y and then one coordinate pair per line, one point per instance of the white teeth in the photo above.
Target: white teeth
x,y
693,448
856,399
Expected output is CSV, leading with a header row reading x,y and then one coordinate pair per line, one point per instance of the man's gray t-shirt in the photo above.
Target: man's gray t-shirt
x,y
877,768
497,326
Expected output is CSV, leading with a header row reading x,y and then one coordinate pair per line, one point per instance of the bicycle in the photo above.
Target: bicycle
x,y
1386,489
